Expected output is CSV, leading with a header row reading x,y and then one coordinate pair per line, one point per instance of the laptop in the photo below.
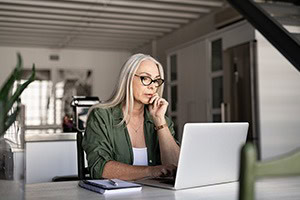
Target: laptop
x,y
209,154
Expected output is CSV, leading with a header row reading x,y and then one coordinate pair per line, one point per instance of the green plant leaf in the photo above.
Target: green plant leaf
x,y
11,118
19,91
15,75
19,66
2,118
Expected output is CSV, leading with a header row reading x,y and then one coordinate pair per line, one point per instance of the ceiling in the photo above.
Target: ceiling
x,y
96,24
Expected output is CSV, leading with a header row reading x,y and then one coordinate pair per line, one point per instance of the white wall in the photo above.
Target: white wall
x,y
105,64
196,29
279,101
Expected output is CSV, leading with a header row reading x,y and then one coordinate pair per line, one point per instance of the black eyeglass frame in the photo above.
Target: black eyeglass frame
x,y
152,81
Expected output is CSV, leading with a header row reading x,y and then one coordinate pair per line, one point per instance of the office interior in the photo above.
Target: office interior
x,y
218,68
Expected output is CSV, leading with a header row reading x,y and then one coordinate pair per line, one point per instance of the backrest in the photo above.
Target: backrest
x,y
81,105
252,169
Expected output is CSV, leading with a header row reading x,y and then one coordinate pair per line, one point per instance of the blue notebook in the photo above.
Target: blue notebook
x,y
107,187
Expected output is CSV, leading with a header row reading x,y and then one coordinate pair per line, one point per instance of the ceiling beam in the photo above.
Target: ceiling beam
x,y
25,30
78,37
22,34
83,24
89,8
98,43
73,46
210,3
102,47
61,12
77,30
30,39
26,44
145,4
9,14
56,44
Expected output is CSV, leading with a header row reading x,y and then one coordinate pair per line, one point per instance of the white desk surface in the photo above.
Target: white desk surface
x,y
274,189
44,137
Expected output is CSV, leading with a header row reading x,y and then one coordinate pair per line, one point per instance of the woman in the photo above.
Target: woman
x,y
129,137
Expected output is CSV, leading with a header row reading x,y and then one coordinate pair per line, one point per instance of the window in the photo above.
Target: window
x,y
174,98
216,52
47,100
217,91
39,107
172,89
216,79
38,99
173,66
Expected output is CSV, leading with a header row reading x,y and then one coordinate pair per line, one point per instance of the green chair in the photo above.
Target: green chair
x,y
252,169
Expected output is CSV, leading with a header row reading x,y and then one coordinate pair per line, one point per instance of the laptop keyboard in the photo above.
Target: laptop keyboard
x,y
165,180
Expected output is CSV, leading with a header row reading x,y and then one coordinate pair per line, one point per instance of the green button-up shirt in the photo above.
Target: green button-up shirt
x,y
105,140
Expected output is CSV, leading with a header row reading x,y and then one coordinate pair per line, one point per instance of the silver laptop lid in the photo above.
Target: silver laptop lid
x,y
210,153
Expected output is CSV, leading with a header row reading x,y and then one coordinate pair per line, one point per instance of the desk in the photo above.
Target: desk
x,y
275,189
40,137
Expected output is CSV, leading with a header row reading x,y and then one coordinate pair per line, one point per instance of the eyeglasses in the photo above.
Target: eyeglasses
x,y
146,80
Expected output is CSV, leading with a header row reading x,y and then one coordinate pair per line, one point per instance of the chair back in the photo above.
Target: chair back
x,y
252,169
81,105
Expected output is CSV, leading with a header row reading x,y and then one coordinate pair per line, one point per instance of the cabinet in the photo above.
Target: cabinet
x,y
249,81
199,86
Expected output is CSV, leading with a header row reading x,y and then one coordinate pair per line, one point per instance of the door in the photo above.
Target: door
x,y
240,87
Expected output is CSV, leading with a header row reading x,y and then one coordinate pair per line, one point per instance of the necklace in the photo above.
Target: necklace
x,y
136,130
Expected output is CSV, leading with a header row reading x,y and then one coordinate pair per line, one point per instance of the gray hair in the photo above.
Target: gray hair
x,y
123,93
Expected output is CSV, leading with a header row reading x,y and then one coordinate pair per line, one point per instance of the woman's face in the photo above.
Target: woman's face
x,y
142,94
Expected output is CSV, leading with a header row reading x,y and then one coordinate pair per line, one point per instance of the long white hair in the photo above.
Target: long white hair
x,y
123,93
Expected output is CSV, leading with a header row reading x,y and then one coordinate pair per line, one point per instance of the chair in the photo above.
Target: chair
x,y
81,105
252,169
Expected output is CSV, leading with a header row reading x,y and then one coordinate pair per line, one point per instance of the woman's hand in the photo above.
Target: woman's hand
x,y
157,108
163,171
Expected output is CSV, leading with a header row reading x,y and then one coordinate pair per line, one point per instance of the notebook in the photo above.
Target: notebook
x,y
106,186
210,154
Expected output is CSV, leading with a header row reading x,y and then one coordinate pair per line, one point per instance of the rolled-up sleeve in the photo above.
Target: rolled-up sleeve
x,y
96,143
171,128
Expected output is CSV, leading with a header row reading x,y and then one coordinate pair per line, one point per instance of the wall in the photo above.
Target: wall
x,y
279,101
190,32
105,64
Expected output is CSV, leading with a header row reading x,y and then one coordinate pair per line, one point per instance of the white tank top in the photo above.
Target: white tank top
x,y
140,156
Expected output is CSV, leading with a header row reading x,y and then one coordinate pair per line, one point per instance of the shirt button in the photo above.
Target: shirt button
x,y
150,161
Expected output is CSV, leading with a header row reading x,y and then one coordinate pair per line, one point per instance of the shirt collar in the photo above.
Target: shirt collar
x,y
148,117
117,113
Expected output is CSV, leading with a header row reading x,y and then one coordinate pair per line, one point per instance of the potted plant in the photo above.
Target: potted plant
x,y
11,187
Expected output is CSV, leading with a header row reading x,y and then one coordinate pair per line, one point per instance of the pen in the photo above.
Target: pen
x,y
112,182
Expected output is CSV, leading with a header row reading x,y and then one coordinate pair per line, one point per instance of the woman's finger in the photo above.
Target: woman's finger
x,y
158,102
153,98
154,101
162,102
